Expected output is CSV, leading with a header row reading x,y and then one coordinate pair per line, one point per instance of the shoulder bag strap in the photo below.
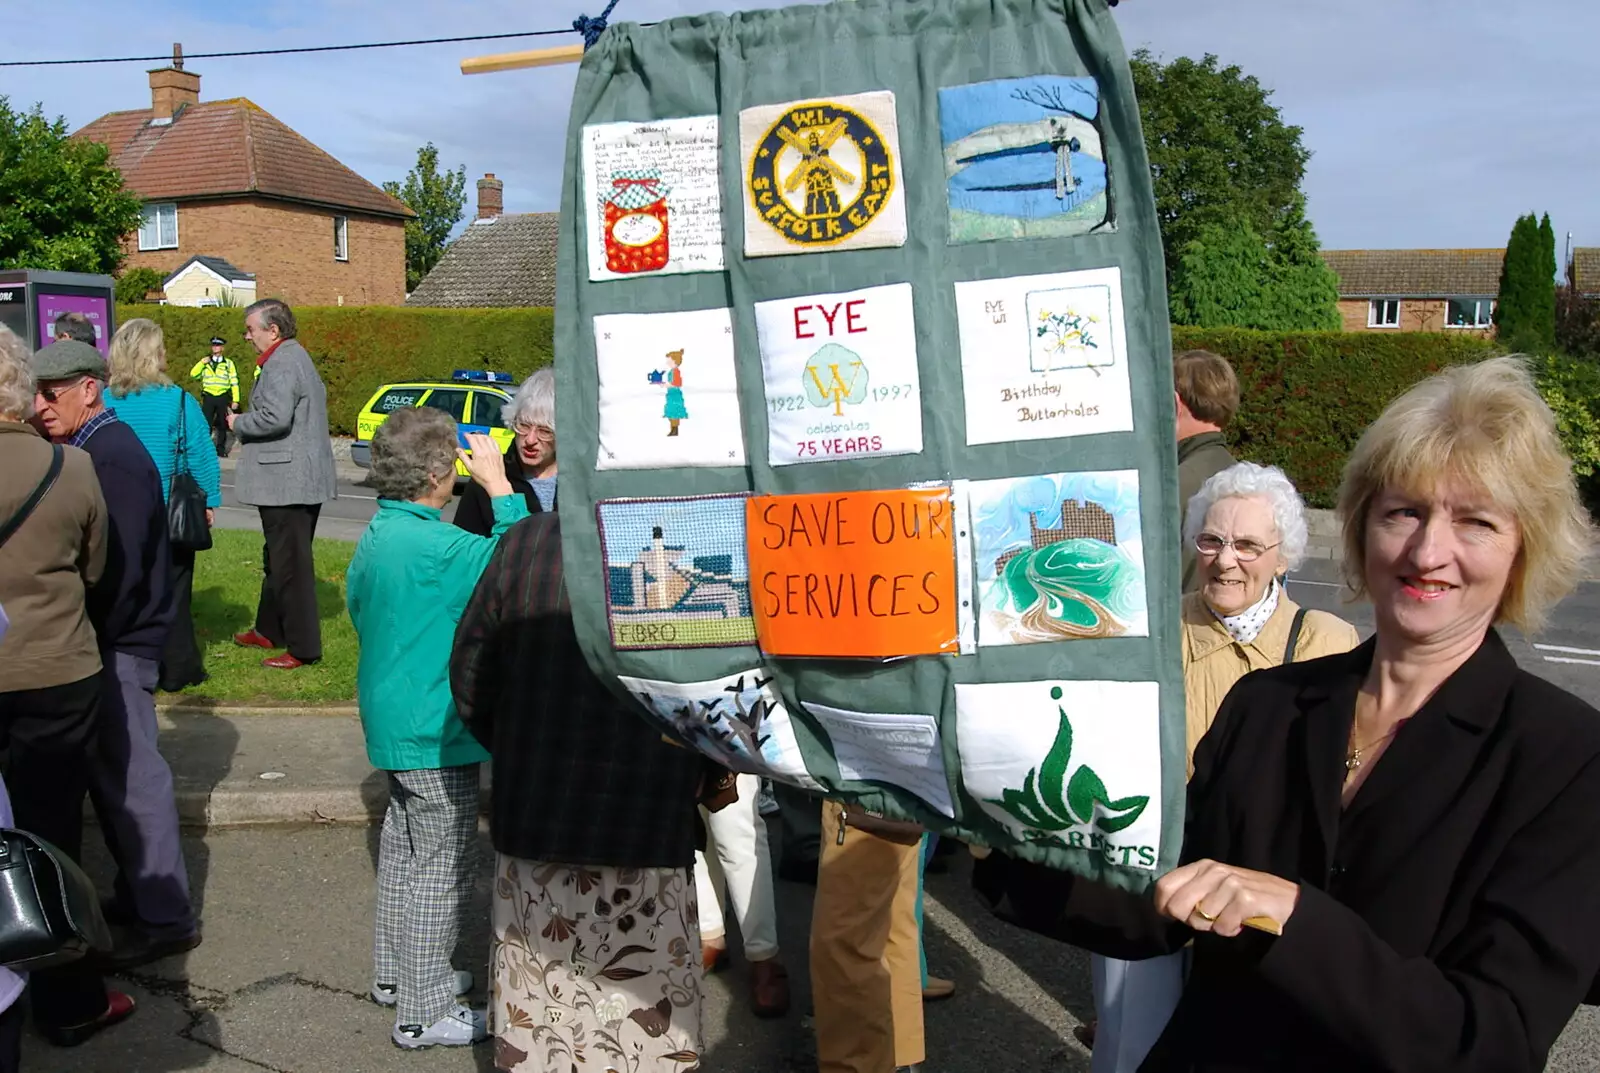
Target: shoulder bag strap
x,y
1294,635
180,453
47,483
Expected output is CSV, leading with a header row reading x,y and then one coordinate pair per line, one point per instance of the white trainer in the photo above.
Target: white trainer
x,y
460,1027
387,995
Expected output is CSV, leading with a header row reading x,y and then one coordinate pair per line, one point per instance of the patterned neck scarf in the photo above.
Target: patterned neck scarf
x,y
1247,624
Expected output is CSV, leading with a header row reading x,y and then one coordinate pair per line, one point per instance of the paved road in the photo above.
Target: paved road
x,y
344,519
279,983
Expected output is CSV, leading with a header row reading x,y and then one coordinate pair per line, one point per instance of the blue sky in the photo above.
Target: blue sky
x,y
1433,122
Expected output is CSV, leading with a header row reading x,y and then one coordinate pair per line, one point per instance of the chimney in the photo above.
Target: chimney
x,y
491,197
172,89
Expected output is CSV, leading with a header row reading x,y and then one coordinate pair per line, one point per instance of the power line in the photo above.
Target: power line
x,y
284,51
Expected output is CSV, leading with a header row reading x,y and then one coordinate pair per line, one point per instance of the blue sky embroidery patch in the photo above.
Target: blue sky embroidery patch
x,y
676,572
1024,158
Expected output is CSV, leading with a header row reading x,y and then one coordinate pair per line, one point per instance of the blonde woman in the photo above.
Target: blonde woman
x,y
147,401
1420,817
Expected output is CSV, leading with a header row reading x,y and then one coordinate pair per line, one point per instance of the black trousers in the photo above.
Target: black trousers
x,y
50,732
216,408
11,1038
181,662
287,614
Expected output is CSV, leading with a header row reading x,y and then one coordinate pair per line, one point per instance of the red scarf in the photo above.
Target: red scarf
x,y
267,353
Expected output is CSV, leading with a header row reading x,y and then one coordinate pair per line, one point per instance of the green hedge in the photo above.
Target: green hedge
x,y
1306,397
358,349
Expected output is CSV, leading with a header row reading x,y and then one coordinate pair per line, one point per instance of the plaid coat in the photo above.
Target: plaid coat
x,y
579,776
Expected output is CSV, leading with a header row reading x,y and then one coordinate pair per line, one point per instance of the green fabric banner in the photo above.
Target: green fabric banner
x,y
865,414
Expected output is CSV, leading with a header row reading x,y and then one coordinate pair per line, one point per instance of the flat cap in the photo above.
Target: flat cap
x,y
67,358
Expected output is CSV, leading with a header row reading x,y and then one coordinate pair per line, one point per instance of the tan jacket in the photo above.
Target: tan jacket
x,y
1213,661
47,564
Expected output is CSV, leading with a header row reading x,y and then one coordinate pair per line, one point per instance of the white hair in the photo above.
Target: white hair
x,y
1266,482
534,402
16,377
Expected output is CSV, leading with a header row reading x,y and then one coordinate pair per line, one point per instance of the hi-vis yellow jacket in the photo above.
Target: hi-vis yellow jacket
x,y
217,377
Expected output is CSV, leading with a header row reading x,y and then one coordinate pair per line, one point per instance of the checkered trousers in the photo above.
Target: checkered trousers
x,y
426,856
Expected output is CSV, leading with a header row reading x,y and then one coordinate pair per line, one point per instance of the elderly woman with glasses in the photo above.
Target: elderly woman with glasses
x,y
1247,526
531,460
1391,855
407,587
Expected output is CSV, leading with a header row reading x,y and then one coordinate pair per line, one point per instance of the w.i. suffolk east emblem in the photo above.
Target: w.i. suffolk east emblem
x,y
823,174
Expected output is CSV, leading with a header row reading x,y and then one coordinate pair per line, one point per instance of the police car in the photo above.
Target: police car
x,y
472,396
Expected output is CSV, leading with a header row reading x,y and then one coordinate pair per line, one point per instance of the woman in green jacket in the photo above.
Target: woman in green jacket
x,y
406,589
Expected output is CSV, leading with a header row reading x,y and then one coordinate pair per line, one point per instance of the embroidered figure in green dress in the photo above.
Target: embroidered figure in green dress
x,y
675,410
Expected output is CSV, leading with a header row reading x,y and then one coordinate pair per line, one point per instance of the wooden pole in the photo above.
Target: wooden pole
x,y
516,61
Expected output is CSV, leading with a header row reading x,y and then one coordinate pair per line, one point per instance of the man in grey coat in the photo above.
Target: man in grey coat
x,y
286,471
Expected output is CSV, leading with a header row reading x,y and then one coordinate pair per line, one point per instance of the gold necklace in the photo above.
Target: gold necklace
x,y
1352,759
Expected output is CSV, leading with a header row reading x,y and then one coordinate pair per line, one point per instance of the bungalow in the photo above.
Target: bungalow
x,y
1417,290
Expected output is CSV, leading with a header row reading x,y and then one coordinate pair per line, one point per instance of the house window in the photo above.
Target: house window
x,y
341,238
158,227
1383,313
1469,313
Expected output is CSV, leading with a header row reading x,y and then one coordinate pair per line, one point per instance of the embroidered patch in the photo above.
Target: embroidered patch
x,y
738,721
654,197
1024,158
822,175
868,574
841,375
668,392
1075,765
901,750
676,573
1058,557
1044,356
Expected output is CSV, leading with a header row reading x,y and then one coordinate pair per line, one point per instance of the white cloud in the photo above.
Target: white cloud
x,y
1433,122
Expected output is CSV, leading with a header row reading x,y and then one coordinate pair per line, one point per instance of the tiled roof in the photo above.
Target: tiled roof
x,y
1586,270
1416,273
218,148
510,261
222,268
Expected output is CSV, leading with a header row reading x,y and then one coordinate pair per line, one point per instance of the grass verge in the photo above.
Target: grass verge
x,y
227,585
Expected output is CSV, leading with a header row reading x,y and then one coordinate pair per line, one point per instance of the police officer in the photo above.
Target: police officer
x,y
219,383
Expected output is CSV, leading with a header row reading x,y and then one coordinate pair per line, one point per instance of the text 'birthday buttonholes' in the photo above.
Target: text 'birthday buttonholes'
x,y
1044,357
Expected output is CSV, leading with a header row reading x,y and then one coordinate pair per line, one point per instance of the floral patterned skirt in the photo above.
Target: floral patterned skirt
x,y
595,969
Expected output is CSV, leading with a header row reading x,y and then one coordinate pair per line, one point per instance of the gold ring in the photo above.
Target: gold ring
x,y
1209,918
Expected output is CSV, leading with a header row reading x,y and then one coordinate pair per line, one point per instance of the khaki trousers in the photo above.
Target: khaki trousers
x,y
866,973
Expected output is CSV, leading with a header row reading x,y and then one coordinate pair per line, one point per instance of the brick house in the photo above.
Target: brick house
x,y
225,179
1583,273
1417,290
498,260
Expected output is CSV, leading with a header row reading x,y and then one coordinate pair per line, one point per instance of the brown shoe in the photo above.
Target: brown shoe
x,y
1084,1034
937,988
713,958
769,988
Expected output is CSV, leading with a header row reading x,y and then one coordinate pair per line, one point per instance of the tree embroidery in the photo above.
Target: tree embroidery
x,y
1049,802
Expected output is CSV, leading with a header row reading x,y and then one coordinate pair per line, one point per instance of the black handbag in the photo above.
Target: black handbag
x,y
186,500
51,912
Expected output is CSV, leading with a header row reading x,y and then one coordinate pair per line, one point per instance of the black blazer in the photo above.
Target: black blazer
x,y
475,513
1446,920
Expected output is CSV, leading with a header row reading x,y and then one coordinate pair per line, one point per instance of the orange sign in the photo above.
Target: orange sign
x,y
854,573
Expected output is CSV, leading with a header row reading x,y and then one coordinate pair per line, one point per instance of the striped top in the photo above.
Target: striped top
x,y
153,416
